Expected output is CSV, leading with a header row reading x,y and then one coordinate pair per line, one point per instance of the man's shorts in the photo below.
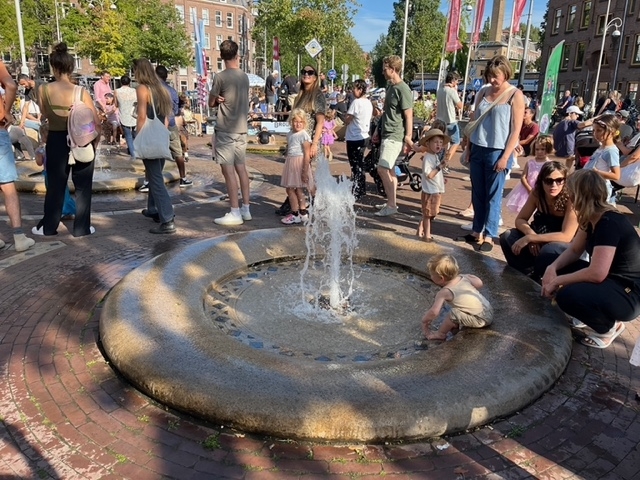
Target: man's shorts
x,y
453,130
174,143
230,148
271,99
390,150
8,172
431,204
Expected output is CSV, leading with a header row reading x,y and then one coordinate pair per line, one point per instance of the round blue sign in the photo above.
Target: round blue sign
x,y
332,74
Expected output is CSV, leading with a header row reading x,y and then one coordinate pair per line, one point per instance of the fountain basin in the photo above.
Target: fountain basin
x,y
156,330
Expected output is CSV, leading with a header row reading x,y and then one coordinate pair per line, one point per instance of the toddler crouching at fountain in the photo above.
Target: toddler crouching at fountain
x,y
297,174
469,308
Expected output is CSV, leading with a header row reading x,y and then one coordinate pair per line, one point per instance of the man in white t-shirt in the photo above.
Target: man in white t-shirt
x,y
358,121
449,103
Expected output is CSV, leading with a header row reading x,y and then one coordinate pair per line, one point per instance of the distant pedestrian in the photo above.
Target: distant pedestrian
x,y
126,97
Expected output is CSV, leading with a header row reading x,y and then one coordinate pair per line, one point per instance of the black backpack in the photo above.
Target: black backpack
x,y
283,90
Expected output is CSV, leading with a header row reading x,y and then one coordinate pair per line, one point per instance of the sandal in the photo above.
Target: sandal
x,y
466,213
468,238
575,323
603,340
486,246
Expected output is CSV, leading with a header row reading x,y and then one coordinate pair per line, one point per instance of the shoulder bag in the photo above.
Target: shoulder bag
x,y
473,124
152,141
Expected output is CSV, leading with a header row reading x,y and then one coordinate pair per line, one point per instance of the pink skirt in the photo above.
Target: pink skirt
x,y
292,174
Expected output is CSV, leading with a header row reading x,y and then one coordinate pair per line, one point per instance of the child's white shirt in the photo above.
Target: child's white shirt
x,y
431,185
295,142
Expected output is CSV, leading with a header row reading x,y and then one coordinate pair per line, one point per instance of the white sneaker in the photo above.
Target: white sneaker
x,y
92,230
245,214
500,223
508,175
380,206
304,218
291,219
229,219
467,226
2,244
386,211
38,231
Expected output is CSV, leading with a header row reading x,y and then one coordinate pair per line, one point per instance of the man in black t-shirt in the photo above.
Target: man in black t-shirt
x,y
270,86
323,83
292,88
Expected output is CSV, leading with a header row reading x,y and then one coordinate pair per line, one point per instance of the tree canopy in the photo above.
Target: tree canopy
x,y
112,38
296,22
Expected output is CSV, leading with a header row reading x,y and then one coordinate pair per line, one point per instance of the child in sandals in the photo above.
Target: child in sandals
x,y
469,308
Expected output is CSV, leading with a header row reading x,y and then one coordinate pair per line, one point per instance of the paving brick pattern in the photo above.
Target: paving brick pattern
x,y
66,414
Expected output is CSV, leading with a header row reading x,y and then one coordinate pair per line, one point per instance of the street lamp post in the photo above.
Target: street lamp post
x,y
617,22
615,68
472,47
404,35
467,8
23,52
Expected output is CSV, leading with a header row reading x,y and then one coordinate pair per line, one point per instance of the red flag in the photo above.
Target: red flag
x,y
517,15
453,42
477,28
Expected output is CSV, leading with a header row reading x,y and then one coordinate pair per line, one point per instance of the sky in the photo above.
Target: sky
x,y
374,17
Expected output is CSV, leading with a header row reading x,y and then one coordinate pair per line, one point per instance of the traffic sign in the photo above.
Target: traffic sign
x,y
313,48
477,83
332,74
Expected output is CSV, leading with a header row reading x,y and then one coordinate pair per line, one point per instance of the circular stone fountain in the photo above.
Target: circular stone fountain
x,y
213,330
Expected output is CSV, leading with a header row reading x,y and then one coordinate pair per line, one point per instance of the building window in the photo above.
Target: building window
x,y
632,7
632,92
625,47
571,18
557,17
182,71
207,41
205,16
183,85
230,37
78,62
218,41
636,51
180,10
585,19
566,53
6,57
220,65
580,51
229,20
601,24
240,25
218,18
193,13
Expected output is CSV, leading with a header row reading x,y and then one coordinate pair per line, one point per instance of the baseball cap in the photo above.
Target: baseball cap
x,y
623,113
574,109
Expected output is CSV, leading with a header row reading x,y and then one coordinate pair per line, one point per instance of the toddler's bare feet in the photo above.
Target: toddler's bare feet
x,y
437,336
420,231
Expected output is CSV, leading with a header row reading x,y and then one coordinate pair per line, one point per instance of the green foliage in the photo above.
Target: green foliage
x,y
111,38
296,22
426,29
486,30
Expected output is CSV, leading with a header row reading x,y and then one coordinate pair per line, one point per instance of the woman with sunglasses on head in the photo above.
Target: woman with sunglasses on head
x,y
600,294
606,159
492,144
313,102
554,223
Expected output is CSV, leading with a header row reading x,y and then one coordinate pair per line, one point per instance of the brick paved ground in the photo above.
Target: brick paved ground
x,y
66,414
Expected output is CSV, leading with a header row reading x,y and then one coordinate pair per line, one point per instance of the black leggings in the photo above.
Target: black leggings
x,y
599,305
526,262
355,153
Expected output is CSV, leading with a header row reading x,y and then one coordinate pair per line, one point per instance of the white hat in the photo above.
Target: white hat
x,y
574,109
275,72
623,113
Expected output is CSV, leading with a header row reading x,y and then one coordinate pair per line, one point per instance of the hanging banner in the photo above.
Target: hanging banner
x,y
517,15
276,56
453,42
477,27
549,90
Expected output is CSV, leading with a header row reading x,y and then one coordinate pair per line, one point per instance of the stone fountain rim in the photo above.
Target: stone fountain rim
x,y
154,332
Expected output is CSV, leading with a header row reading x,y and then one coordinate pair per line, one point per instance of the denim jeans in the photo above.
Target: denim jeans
x,y
129,135
486,190
158,199
526,262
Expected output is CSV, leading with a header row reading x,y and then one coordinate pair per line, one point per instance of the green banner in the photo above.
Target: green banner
x,y
549,94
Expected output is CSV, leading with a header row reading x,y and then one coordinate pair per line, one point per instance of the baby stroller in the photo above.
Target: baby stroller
x,y
404,174
586,144
371,167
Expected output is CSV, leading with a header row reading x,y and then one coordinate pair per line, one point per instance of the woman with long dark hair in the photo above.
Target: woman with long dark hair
x,y
600,294
553,226
152,96
56,99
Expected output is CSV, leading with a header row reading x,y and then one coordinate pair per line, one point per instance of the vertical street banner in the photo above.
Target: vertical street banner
x,y
453,42
477,27
201,60
517,15
276,56
549,96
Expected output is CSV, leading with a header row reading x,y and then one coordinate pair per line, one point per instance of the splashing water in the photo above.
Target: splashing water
x,y
330,235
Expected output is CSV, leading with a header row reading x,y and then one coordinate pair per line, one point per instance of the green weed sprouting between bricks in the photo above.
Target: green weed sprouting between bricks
x,y
173,424
516,431
143,418
212,442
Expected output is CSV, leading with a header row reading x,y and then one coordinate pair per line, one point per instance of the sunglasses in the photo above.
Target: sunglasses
x,y
551,181
495,63
600,123
308,73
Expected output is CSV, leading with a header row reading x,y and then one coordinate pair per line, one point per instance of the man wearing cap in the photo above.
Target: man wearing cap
x,y
564,135
270,87
529,131
626,132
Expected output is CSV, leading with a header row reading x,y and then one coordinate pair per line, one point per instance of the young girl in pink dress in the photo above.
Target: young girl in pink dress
x,y
328,133
519,195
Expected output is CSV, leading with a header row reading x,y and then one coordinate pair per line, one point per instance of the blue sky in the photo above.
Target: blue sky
x,y
374,17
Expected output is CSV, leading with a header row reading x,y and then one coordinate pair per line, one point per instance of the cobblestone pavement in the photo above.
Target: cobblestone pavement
x,y
66,414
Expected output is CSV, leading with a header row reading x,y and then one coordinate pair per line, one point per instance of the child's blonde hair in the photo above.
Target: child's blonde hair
x,y
546,142
329,114
298,113
444,265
